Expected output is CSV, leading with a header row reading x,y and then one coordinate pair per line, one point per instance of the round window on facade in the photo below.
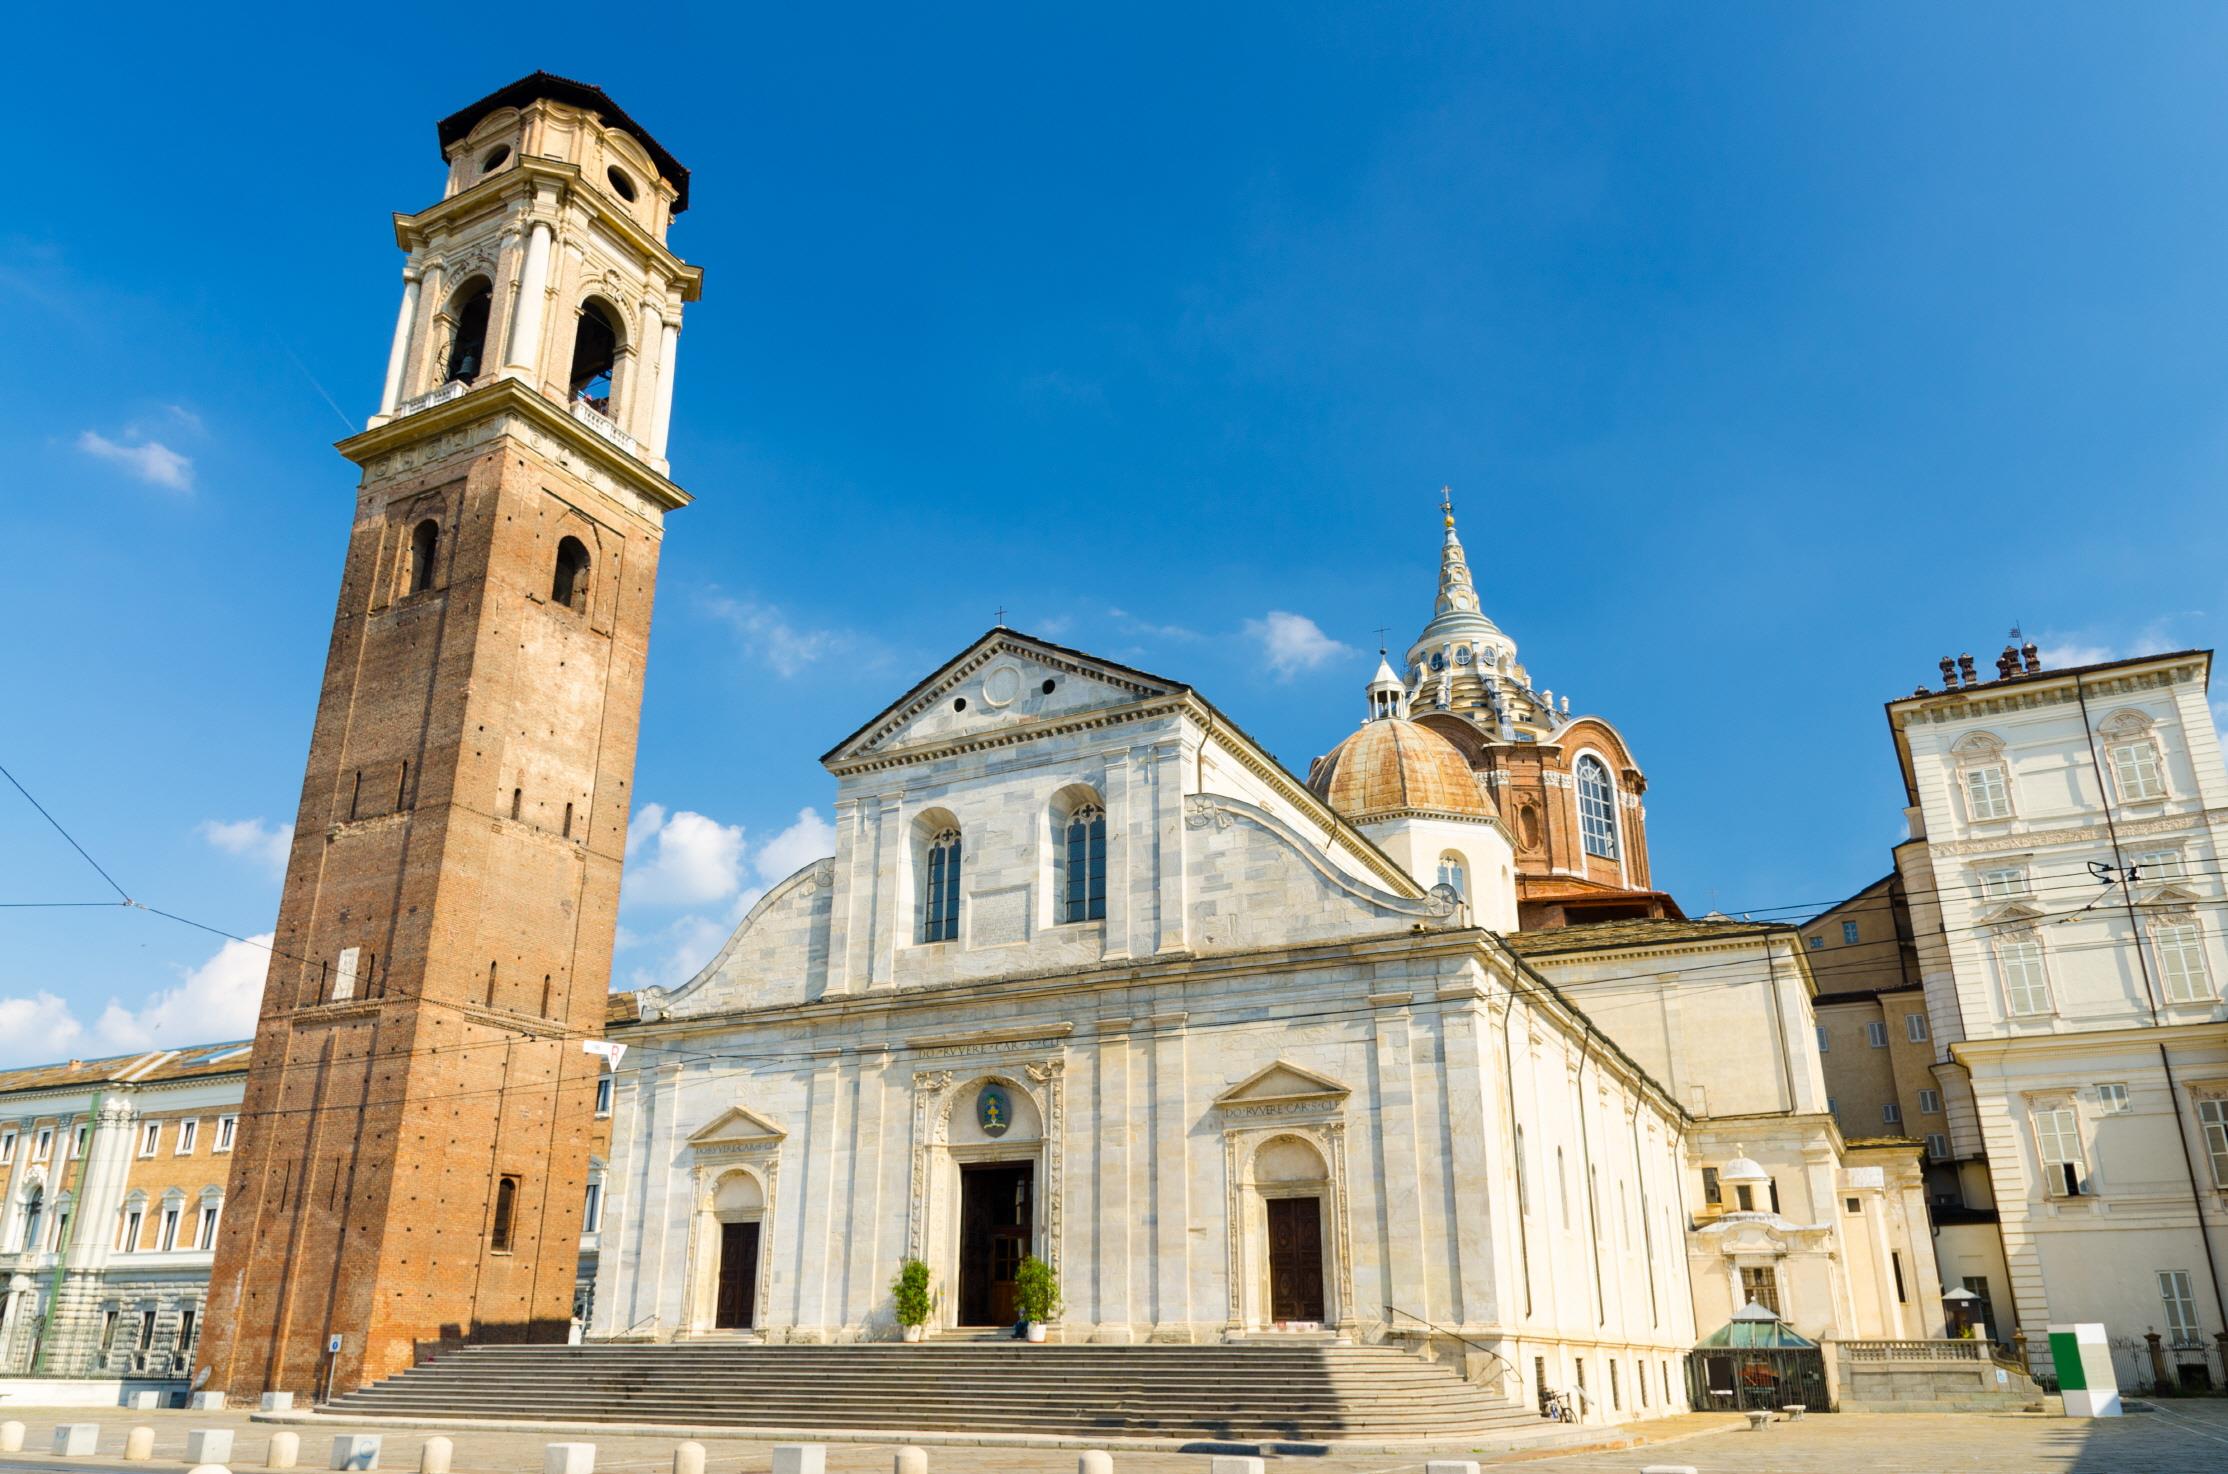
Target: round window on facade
x,y
496,157
621,186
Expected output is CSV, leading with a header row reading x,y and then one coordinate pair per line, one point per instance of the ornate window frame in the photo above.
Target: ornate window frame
x,y
738,1142
1284,1100
2133,731
1976,752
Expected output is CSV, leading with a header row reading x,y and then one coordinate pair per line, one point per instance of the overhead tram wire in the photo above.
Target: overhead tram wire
x,y
66,835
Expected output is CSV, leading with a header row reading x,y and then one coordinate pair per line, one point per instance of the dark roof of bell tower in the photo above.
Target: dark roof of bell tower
x,y
573,94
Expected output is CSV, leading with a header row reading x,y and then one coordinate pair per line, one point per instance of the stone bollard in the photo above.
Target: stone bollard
x,y
1668,1469
11,1438
356,1451
1237,1464
914,1461
139,1445
435,1457
688,1459
800,1458
206,1402
75,1440
1758,1422
285,1451
1095,1461
208,1469
209,1446
143,1401
278,1402
1451,1466
570,1458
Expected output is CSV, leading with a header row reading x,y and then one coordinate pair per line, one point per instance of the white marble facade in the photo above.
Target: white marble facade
x,y
1269,1009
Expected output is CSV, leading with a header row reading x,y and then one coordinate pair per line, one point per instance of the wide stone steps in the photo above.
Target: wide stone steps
x,y
1222,1392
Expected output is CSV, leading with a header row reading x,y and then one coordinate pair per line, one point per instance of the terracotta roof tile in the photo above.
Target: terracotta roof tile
x,y
1390,765
194,1062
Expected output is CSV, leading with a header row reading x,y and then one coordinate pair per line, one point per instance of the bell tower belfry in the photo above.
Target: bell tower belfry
x,y
412,1159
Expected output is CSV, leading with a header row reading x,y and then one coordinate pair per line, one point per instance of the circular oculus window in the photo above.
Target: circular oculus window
x,y
1001,686
496,157
621,186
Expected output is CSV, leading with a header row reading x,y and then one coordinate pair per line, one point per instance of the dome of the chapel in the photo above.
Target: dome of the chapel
x,y
1390,765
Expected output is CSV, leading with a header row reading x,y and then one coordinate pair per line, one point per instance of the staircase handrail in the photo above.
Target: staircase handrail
x,y
1436,1329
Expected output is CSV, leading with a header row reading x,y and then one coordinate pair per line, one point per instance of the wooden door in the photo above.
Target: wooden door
x,y
736,1306
1295,1259
996,1206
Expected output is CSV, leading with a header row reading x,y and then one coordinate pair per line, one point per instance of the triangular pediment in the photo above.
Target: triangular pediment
x,y
1282,1081
2014,913
735,1124
994,686
2172,893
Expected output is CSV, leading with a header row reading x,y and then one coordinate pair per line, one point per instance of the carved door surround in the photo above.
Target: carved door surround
x,y
932,1209
734,1176
1264,1117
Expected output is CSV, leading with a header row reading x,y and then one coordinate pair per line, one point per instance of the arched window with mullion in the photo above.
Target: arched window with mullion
x,y
1083,865
940,888
1597,808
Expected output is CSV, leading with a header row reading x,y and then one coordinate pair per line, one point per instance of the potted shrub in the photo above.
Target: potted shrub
x,y
1036,1295
914,1300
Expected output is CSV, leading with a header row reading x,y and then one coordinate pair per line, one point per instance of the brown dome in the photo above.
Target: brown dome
x,y
1390,765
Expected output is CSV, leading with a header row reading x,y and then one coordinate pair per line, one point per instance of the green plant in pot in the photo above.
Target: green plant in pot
x,y
1036,1295
914,1299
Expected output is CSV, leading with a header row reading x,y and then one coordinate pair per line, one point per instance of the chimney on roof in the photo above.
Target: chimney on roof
x,y
1922,691
2033,657
1949,674
1965,670
2007,664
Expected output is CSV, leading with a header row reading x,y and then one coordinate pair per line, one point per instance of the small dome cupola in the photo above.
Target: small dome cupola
x,y
1388,699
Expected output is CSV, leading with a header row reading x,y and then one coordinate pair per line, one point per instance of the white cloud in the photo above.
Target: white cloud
x,y
767,633
677,950
150,460
217,1000
809,839
2065,649
1293,643
266,844
682,858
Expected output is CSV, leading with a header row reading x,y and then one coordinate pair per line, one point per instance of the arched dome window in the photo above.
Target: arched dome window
x,y
1597,808
469,349
940,887
1083,864
1455,875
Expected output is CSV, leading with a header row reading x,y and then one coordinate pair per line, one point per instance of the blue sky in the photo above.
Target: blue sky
x,y
1772,352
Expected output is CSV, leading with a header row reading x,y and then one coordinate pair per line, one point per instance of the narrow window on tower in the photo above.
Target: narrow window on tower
x,y
402,785
1597,808
545,995
469,349
356,793
568,821
491,985
569,584
595,348
344,975
518,797
425,543
506,1206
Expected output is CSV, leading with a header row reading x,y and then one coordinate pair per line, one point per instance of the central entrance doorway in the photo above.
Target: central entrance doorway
x,y
1295,1259
735,1305
996,1208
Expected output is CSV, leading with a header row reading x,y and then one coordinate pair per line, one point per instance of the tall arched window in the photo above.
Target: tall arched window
x,y
595,349
1453,873
569,585
425,542
940,888
469,349
34,1208
1597,808
1083,865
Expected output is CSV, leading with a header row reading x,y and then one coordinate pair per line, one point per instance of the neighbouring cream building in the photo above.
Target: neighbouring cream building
x,y
2063,876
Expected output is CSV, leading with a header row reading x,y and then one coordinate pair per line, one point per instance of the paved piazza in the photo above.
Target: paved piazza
x,y
2183,1437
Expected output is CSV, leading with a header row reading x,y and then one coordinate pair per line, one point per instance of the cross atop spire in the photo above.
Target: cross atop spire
x,y
1446,505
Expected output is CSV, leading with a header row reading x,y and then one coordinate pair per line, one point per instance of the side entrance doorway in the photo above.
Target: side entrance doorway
x,y
996,1207
735,1306
1295,1259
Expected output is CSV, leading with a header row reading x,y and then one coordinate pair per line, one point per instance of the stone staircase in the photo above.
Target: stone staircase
x,y
1245,1393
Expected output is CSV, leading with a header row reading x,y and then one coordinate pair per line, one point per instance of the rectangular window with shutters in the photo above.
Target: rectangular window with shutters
x,y
1891,1114
2058,1144
2135,772
603,1095
2000,882
1987,793
2026,986
2181,1309
1876,1034
2177,943
227,1128
1848,933
1914,1027
2111,1099
2153,866
1930,1102
1937,1145
2212,1120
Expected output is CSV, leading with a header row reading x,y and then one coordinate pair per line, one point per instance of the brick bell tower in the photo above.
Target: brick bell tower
x,y
413,1153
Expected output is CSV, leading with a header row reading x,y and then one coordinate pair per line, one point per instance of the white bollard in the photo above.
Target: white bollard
x,y
1668,1469
285,1451
570,1458
207,1402
356,1451
143,1402
1094,1461
688,1458
1237,1464
208,1469
75,1440
11,1437
139,1445
1451,1466
278,1402
912,1461
436,1456
800,1458
209,1446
